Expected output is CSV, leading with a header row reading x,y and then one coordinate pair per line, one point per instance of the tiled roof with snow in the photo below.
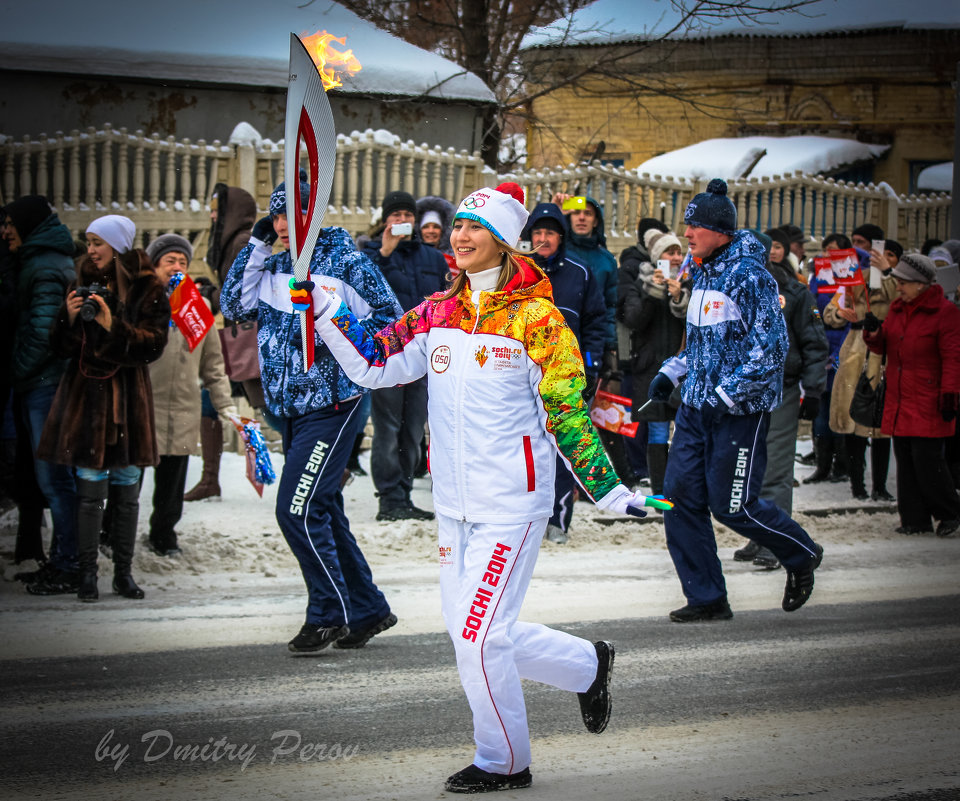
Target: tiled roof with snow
x,y
240,42
607,22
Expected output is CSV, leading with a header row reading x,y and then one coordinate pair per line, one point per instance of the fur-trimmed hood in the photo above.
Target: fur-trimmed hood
x,y
446,210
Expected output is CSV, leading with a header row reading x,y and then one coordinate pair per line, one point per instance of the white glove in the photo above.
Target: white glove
x,y
227,412
623,501
626,502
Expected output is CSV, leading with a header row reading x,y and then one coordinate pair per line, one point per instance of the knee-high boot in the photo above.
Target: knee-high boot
x,y
657,465
90,498
211,448
879,467
823,448
840,468
857,465
124,533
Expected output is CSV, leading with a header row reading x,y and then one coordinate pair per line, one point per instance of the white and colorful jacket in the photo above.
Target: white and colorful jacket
x,y
736,338
505,379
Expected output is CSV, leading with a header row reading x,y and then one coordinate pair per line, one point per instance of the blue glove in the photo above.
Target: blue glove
x,y
661,388
264,231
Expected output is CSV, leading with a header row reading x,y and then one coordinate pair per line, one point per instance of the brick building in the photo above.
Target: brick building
x,y
851,69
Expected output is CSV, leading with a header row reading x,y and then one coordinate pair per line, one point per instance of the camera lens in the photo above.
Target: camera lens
x,y
89,309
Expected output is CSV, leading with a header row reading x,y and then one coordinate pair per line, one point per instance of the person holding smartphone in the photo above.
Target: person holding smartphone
x,y
414,271
654,308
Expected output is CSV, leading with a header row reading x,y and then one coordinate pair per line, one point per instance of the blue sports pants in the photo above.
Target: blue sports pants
x,y
717,467
310,513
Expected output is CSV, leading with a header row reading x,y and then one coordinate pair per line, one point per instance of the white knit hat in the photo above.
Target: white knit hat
x,y
430,217
657,242
116,230
498,210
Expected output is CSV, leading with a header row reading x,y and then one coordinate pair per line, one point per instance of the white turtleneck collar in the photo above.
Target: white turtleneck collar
x,y
485,280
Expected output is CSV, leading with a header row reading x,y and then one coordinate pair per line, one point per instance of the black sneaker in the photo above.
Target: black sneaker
x,y
766,559
947,527
747,553
359,638
474,780
800,583
410,512
57,582
882,495
693,613
910,530
595,702
30,576
315,638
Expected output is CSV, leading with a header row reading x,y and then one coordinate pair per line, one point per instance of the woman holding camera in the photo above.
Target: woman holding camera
x,y
112,325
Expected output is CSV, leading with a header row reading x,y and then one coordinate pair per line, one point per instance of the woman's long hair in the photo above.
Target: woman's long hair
x,y
121,272
509,264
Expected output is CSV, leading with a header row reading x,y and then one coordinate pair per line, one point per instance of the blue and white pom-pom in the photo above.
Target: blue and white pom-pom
x,y
263,471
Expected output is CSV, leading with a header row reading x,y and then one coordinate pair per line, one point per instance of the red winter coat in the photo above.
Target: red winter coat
x,y
922,342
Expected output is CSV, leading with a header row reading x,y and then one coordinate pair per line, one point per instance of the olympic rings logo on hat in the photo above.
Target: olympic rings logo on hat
x,y
474,202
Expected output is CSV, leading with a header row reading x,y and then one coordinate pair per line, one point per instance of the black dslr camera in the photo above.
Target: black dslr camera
x,y
90,308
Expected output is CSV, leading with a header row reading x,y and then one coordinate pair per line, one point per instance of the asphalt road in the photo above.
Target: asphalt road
x,y
850,701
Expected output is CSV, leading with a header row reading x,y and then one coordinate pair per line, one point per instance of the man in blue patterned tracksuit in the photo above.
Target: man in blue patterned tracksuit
x,y
316,413
733,363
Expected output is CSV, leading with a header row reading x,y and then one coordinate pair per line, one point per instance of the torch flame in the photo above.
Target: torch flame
x,y
331,63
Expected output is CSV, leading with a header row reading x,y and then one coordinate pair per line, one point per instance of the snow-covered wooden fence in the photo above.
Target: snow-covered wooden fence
x,y
166,184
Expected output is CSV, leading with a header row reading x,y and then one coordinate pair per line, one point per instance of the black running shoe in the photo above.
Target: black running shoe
x,y
315,638
57,582
766,559
701,613
595,702
360,637
947,527
800,583
747,553
474,780
410,512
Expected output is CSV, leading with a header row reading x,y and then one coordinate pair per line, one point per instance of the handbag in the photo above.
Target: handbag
x,y
241,356
866,406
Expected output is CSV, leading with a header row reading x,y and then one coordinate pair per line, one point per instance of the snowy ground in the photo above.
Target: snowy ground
x,y
238,583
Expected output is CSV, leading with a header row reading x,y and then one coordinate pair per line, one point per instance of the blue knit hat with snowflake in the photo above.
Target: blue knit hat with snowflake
x,y
713,210
278,198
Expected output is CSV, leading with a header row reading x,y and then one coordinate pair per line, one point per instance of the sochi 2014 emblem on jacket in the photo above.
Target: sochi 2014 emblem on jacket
x,y
481,355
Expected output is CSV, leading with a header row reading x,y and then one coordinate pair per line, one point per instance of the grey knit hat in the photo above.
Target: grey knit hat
x,y
168,243
713,209
914,267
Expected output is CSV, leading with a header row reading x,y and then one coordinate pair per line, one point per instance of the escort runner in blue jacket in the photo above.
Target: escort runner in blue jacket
x,y
733,363
316,415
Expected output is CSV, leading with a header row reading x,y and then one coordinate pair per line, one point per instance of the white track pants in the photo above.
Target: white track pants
x,y
485,569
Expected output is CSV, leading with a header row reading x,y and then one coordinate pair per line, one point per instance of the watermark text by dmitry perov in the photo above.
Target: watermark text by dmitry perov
x,y
160,744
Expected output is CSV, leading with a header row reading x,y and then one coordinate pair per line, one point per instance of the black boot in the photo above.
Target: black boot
x,y
879,466
90,498
823,447
856,465
840,470
657,465
124,536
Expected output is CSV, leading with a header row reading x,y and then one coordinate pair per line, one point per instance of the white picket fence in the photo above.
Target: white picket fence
x,y
165,185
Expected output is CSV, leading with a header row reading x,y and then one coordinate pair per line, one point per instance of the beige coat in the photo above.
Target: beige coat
x,y
853,354
176,377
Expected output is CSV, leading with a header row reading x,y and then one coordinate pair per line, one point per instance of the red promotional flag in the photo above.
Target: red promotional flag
x,y
190,312
612,412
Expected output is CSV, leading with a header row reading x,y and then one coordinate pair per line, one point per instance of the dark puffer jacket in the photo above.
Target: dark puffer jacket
x,y
809,352
46,270
414,270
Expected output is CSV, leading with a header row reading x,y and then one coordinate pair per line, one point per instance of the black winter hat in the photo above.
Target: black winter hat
x,y
781,236
713,210
398,201
895,247
644,224
26,214
794,233
544,215
868,231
